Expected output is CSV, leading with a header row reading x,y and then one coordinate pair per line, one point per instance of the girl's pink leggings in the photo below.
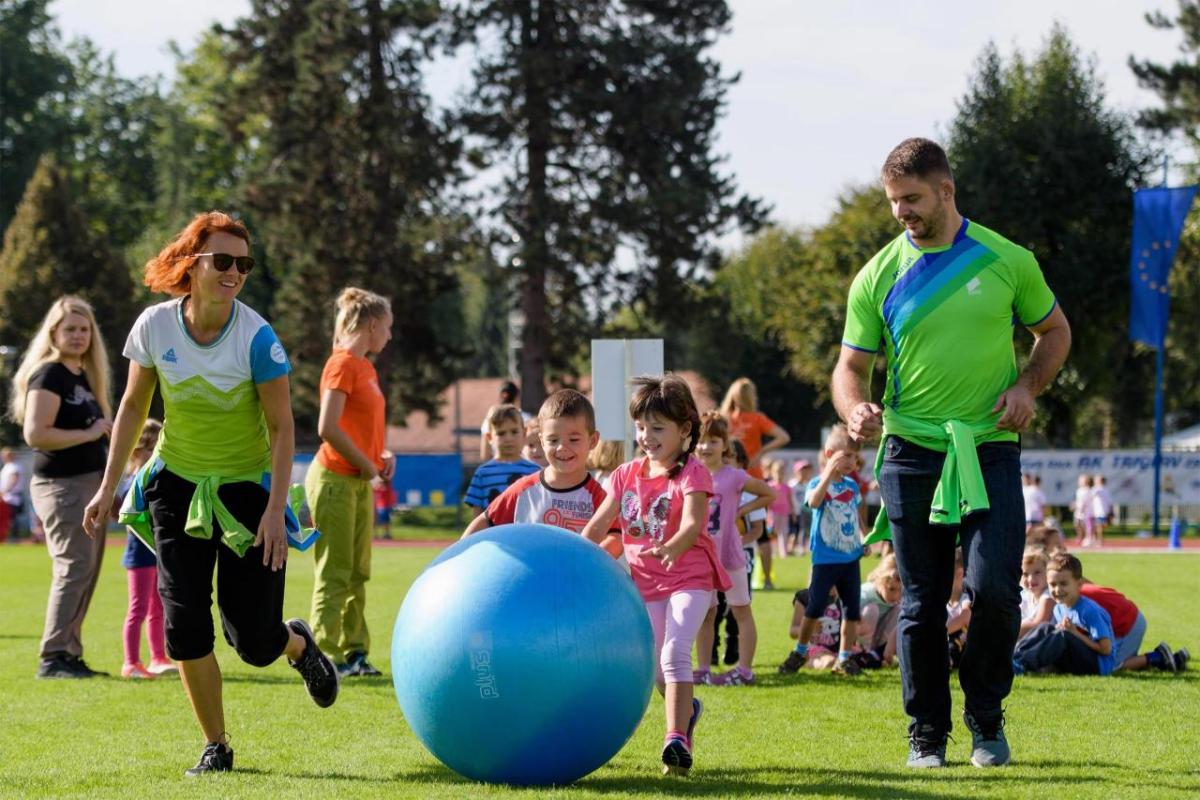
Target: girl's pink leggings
x,y
675,621
144,604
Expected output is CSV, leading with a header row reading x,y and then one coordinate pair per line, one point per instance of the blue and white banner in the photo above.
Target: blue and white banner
x,y
1128,474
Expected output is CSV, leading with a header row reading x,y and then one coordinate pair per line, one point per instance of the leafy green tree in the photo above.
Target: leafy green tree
x,y
602,115
50,250
108,145
1039,158
33,70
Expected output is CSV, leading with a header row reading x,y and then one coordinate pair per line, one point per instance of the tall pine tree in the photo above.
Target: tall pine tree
x,y
601,117
348,185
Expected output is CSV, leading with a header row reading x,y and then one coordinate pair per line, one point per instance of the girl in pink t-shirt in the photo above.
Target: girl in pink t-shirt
x,y
662,504
724,508
780,512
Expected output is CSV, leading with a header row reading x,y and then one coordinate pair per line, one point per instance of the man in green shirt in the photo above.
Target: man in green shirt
x,y
941,302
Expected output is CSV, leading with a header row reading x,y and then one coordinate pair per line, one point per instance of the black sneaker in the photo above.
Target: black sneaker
x,y
85,671
217,757
926,747
792,663
361,666
60,666
320,676
1168,657
1182,657
847,667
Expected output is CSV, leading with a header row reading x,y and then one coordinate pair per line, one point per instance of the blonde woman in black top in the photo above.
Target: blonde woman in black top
x,y
60,399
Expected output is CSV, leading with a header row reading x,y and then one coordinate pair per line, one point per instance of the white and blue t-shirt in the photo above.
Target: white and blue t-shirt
x,y
836,533
213,422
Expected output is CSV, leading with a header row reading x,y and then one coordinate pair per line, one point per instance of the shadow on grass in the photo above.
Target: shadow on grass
x,y
318,776
1072,684
865,783
809,677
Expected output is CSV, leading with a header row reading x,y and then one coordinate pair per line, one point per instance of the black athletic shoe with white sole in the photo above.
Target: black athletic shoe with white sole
x,y
217,757
320,676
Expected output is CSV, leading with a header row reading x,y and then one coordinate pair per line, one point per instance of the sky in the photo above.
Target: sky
x,y
826,89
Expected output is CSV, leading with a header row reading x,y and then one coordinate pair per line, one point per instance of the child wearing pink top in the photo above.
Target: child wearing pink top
x,y
780,513
724,509
661,501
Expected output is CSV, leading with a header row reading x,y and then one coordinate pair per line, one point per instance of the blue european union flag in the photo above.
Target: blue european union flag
x,y
1158,216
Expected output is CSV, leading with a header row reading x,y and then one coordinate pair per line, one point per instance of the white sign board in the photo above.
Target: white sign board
x,y
615,362
1129,474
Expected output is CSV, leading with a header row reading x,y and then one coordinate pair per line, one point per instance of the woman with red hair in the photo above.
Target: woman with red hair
x,y
214,494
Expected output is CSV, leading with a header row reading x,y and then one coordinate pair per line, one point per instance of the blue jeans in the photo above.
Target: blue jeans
x,y
992,543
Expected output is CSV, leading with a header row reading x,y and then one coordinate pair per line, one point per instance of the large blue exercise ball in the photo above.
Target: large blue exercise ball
x,y
523,655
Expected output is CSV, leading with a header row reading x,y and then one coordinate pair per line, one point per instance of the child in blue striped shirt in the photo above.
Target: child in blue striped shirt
x,y
506,434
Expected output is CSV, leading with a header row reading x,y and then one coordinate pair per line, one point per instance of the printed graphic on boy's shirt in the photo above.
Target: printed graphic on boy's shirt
x,y
839,522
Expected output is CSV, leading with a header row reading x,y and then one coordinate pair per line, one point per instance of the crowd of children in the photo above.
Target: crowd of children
x,y
692,524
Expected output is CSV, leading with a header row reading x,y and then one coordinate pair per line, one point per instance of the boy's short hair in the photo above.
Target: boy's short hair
x,y
568,403
1034,554
839,439
497,415
1065,562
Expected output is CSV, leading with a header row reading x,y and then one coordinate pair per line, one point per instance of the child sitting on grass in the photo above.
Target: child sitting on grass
x,y
958,613
880,602
1080,641
1037,606
1129,627
824,634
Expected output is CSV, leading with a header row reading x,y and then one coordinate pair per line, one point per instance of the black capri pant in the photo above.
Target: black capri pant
x,y
249,595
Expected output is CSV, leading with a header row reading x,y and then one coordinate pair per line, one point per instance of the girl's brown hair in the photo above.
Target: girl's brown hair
x,y
668,397
713,425
740,456
167,272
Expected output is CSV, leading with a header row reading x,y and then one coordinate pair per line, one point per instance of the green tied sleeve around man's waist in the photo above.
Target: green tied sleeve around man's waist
x,y
960,490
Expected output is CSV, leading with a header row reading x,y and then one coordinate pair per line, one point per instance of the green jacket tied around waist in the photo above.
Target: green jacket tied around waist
x,y
960,490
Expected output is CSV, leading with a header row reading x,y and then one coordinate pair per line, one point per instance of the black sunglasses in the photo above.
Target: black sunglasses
x,y
223,261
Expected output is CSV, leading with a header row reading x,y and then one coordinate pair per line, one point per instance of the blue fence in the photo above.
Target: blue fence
x,y
420,480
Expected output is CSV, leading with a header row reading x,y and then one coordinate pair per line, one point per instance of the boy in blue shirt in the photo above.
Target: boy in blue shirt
x,y
836,542
1080,640
506,434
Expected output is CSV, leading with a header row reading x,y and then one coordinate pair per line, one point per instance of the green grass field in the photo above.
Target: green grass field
x,y
811,735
